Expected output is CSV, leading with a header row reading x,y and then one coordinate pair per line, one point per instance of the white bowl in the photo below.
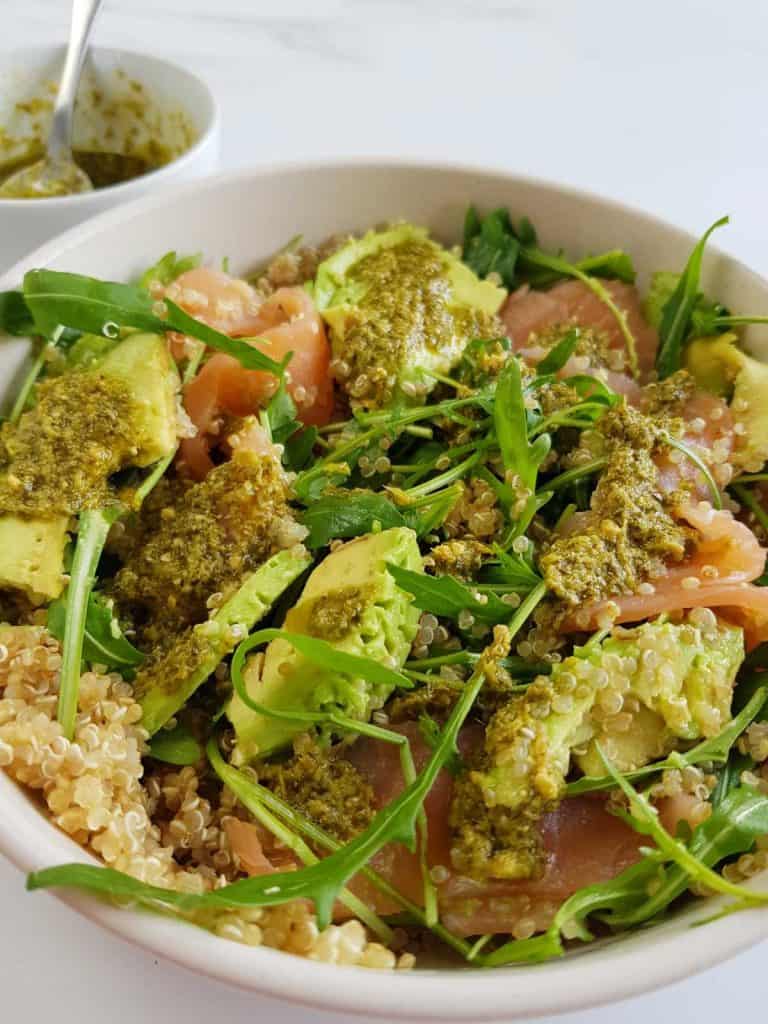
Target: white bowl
x,y
246,217
178,106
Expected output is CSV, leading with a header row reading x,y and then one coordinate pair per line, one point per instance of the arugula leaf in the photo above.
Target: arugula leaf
x,y
514,572
615,265
15,317
103,640
320,882
677,312
281,415
644,818
87,304
559,355
93,527
521,457
429,513
348,514
175,746
447,596
169,267
248,356
732,828
493,243
298,448
490,245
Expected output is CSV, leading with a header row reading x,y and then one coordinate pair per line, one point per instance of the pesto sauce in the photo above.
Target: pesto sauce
x,y
169,667
334,615
495,840
460,557
491,842
207,538
629,534
328,790
58,458
406,309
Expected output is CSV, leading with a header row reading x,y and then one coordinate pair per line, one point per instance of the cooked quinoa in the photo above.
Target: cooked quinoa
x,y
415,632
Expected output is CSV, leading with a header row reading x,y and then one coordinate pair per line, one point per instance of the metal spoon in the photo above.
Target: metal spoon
x,y
57,174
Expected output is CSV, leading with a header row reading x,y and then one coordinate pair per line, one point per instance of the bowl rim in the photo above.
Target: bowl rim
x,y
590,979
158,175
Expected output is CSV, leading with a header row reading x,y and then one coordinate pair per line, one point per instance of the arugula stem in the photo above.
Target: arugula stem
x,y
702,467
448,477
570,475
92,533
569,418
29,382
478,946
752,478
529,603
736,321
512,664
746,497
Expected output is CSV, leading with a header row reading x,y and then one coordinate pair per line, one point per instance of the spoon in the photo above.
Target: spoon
x,y
57,174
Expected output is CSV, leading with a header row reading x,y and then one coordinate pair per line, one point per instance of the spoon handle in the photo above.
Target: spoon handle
x,y
60,138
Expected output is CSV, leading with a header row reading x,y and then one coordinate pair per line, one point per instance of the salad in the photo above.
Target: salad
x,y
394,597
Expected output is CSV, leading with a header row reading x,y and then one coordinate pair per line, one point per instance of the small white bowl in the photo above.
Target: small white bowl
x,y
246,217
176,106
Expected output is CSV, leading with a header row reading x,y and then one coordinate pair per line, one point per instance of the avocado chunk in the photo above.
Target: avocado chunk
x,y
719,365
166,681
143,362
639,694
351,601
32,556
57,460
400,308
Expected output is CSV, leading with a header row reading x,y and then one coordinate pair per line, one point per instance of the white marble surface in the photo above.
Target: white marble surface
x,y
660,103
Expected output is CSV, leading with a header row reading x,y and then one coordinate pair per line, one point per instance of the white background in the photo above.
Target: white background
x,y
662,103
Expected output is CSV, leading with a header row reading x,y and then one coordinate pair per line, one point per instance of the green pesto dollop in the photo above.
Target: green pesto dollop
x,y
335,615
406,310
57,459
201,542
328,790
629,534
461,557
489,841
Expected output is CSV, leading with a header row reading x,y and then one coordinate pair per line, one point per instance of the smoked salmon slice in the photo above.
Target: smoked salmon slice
x,y
528,311
285,322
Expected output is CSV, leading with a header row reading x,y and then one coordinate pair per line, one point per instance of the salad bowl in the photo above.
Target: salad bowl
x,y
246,217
